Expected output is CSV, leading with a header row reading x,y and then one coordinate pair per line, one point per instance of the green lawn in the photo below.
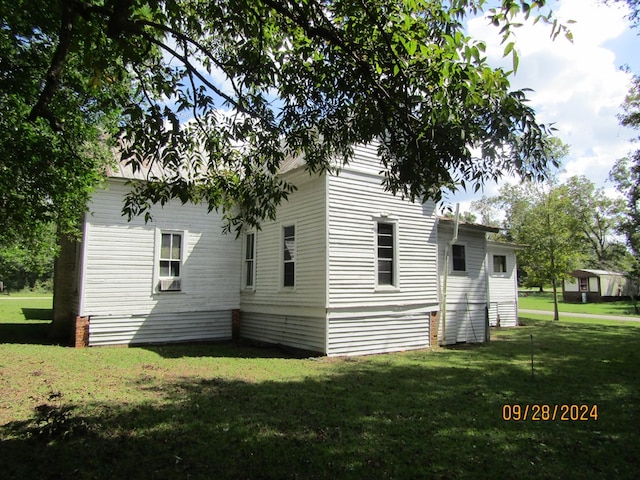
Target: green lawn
x,y
227,411
544,301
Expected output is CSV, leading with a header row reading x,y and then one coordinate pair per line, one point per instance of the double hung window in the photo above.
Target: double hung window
x,y
289,256
386,254
499,264
458,256
170,262
249,260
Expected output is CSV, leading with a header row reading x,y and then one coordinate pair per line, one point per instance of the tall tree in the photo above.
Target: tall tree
x,y
626,175
488,211
548,229
309,77
598,217
564,225
52,146
27,262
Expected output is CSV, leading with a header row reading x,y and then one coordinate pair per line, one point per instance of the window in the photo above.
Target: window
x,y
499,264
289,256
386,254
170,262
249,260
459,258
584,284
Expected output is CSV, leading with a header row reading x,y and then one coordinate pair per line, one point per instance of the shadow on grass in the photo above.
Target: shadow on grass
x,y
38,313
413,415
226,349
21,333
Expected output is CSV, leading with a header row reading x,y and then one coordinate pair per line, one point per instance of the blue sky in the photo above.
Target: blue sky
x,y
578,86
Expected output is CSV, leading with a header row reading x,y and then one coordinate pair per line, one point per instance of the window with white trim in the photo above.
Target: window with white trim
x,y
289,256
249,260
170,262
386,254
499,264
459,258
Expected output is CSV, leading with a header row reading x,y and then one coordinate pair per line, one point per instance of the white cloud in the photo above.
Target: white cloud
x,y
578,86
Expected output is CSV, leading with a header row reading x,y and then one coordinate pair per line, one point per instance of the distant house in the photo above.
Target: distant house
x,y
346,268
595,286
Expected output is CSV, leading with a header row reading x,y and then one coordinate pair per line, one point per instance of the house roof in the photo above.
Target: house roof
x,y
593,273
292,163
514,246
153,170
468,226
122,170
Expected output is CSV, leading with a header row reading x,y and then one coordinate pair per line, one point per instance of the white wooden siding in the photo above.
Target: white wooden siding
x,y
284,315
466,293
503,288
506,311
306,210
361,317
356,202
159,328
377,331
465,325
304,332
119,262
336,305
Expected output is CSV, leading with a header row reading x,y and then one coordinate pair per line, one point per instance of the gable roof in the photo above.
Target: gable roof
x,y
477,227
593,273
511,245
125,171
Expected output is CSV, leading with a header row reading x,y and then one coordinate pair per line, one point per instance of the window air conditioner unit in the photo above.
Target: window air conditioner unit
x,y
171,285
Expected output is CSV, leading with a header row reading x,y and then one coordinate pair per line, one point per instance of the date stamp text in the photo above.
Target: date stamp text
x,y
570,412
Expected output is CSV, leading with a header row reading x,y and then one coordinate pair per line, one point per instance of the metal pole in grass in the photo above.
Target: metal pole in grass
x,y
531,336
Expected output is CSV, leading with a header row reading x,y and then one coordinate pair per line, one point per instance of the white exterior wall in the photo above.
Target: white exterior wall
x,y
571,284
614,286
503,288
466,294
118,290
283,315
610,285
361,317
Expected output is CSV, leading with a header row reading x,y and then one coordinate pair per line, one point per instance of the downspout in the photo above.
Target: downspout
x,y
487,266
443,297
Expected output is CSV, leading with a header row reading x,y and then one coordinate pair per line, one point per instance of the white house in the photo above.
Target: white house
x,y
174,279
345,269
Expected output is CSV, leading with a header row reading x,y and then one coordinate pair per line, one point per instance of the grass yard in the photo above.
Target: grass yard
x,y
225,411
544,301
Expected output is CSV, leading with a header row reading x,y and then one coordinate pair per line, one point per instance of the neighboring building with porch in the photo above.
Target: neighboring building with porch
x,y
595,286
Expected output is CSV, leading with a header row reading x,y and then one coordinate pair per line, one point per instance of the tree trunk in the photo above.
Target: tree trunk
x,y
63,288
556,315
